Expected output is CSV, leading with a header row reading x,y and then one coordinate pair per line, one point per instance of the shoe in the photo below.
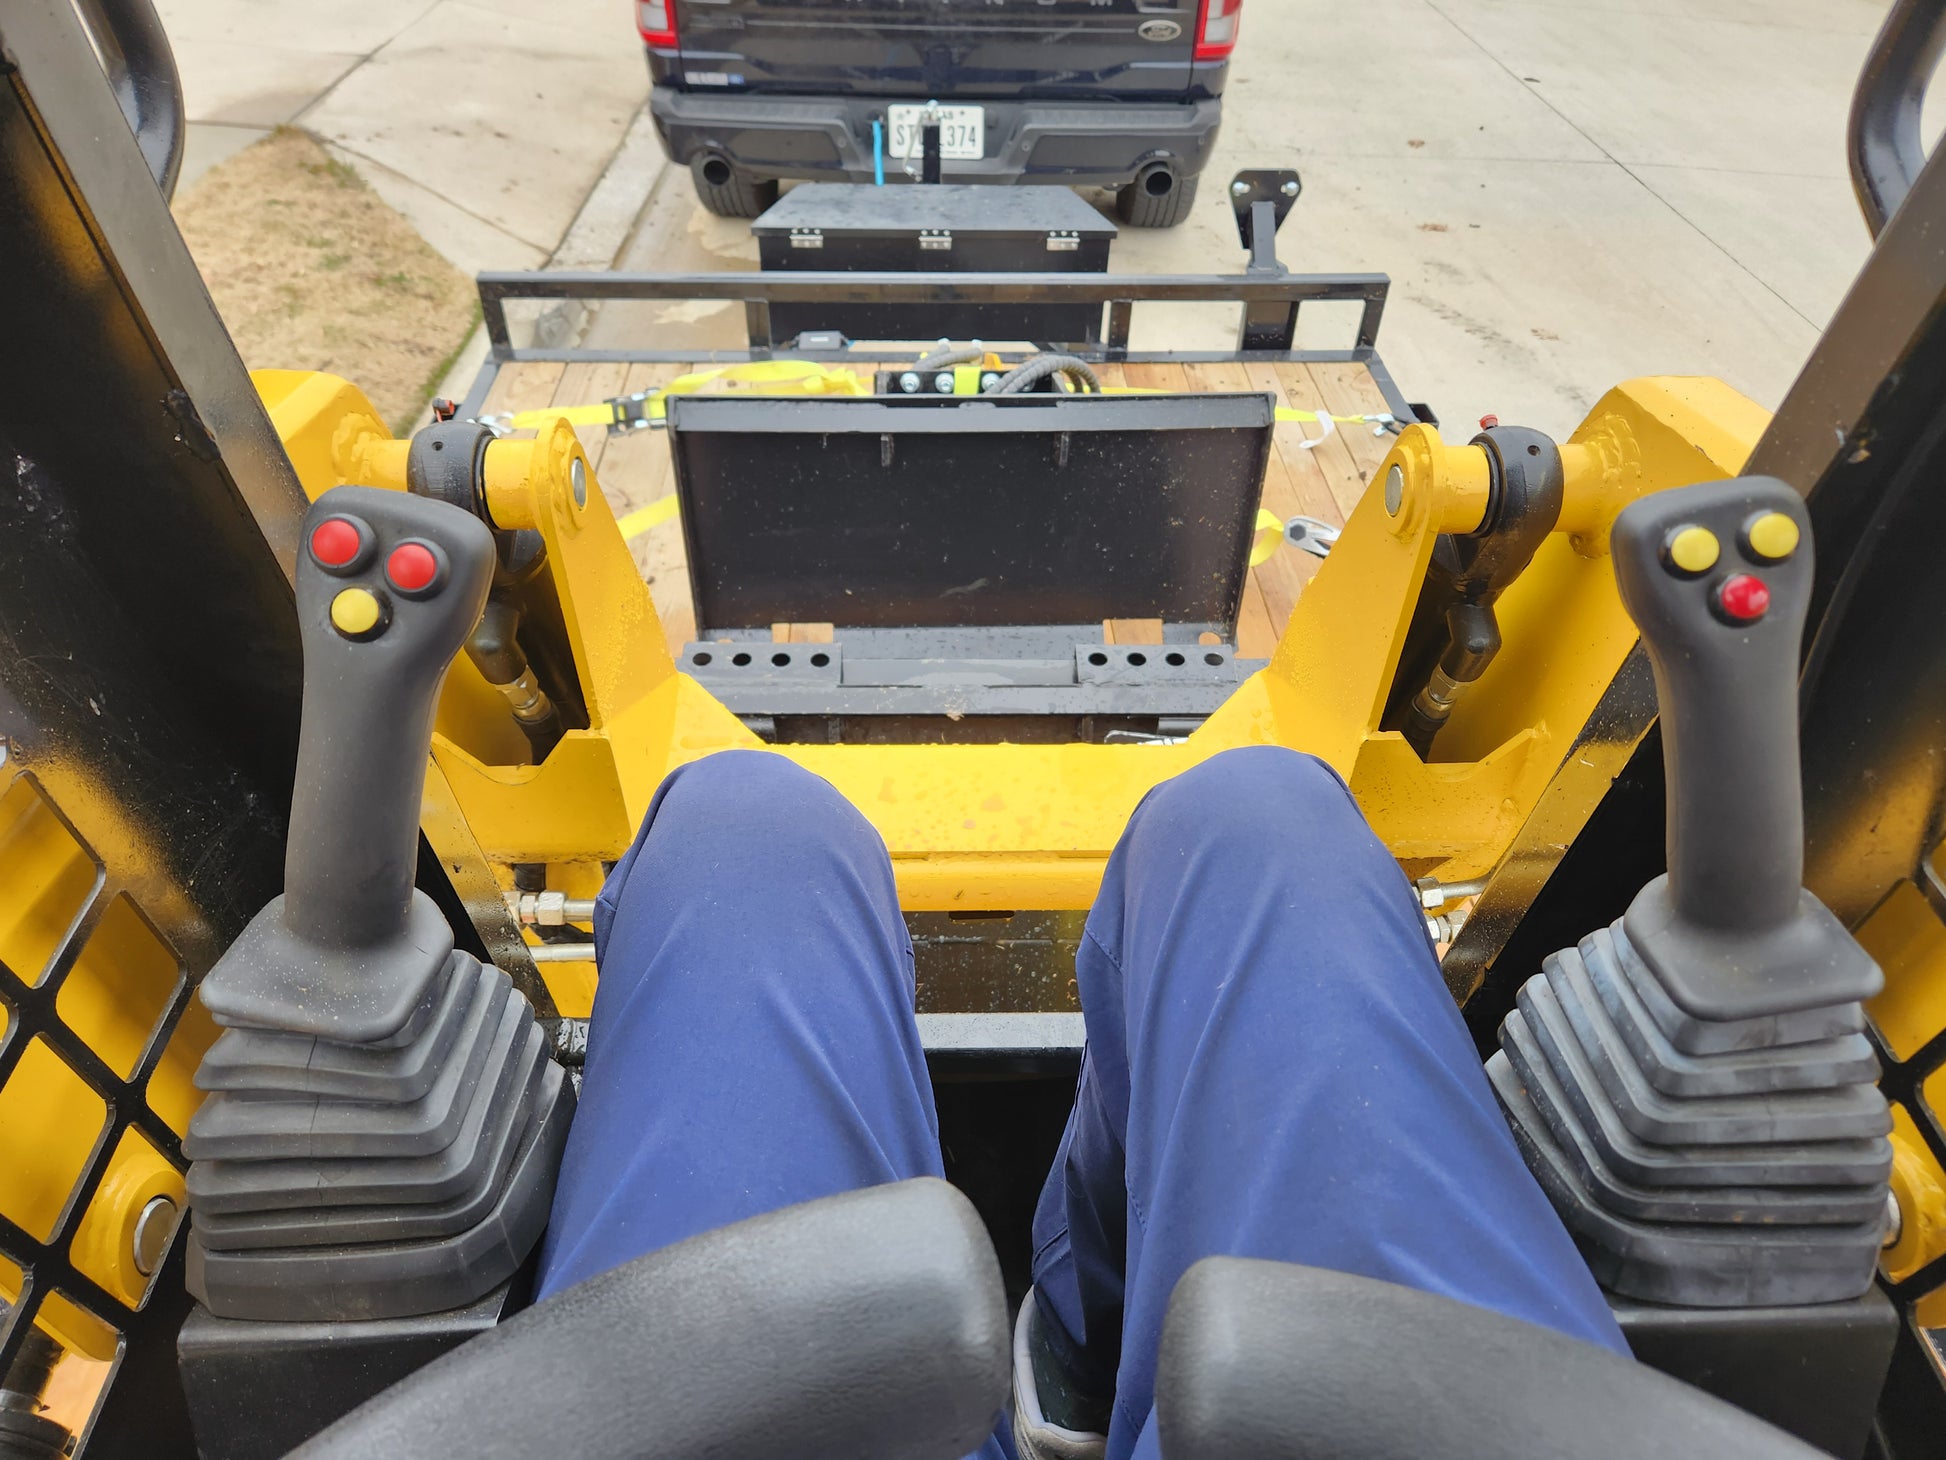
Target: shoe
x,y
1036,1437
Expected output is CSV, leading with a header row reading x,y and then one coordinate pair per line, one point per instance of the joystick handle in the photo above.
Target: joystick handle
x,y
1718,578
388,588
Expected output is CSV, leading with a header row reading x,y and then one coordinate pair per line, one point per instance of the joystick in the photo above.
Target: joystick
x,y
384,1123
1692,1086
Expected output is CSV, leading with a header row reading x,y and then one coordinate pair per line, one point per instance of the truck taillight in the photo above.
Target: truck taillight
x,y
1216,29
656,20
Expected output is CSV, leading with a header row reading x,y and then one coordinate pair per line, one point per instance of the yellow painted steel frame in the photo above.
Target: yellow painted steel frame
x,y
986,827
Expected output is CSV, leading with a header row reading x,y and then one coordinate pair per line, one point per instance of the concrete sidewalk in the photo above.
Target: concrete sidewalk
x,y
486,122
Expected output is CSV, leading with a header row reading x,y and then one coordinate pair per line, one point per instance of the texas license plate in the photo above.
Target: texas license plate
x,y
962,132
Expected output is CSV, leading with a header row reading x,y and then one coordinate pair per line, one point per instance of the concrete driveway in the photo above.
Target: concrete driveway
x,y
1565,192
486,122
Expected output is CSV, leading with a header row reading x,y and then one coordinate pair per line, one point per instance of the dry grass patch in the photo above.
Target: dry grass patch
x,y
312,270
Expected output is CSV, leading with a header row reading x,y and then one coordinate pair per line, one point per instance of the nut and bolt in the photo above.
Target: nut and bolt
x,y
1289,190
943,382
550,909
1239,187
910,382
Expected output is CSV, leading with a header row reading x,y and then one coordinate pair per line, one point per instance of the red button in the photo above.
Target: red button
x,y
1744,598
411,567
335,542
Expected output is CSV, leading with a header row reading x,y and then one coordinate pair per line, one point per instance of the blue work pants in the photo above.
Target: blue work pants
x,y
1273,1068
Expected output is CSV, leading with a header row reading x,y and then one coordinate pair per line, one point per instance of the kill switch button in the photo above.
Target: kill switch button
x,y
1743,598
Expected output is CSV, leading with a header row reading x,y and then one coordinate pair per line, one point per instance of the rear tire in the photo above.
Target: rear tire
x,y
730,192
1140,205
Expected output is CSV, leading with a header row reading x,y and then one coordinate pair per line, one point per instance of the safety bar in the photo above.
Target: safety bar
x,y
1883,136
758,291
134,51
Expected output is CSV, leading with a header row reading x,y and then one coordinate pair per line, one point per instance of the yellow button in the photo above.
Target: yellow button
x,y
1773,536
1694,549
355,611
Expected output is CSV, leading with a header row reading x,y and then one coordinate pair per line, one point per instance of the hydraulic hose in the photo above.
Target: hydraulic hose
x,y
947,356
1029,372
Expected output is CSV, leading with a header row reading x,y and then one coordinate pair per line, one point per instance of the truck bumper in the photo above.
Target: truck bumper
x,y
829,139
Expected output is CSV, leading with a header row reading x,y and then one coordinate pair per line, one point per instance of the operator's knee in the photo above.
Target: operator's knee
x,y
756,879
1261,806
749,825
762,810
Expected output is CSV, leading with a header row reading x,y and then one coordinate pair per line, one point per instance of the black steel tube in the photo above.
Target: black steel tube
x,y
1883,137
134,51
758,291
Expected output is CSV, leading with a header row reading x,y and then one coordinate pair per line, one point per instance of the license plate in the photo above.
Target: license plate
x,y
962,133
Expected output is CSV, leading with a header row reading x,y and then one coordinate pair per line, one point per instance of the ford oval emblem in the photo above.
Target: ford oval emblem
x,y
1158,30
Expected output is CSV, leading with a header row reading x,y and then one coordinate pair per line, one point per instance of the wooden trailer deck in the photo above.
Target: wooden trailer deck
x,y
1323,482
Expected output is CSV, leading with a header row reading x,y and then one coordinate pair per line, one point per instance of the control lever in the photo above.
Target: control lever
x,y
384,1124
1718,581
1692,1086
349,949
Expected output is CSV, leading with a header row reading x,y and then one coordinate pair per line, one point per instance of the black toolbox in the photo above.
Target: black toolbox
x,y
935,228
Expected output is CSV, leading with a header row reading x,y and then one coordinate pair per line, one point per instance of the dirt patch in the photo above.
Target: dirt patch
x,y
312,270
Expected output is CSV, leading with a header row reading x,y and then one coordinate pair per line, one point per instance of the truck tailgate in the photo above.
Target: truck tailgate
x,y
1133,49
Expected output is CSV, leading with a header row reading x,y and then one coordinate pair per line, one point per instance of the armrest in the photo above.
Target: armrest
x,y
867,1324
1275,1362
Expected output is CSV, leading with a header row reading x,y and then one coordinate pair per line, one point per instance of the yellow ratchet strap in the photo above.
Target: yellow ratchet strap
x,y
647,407
661,510
1270,536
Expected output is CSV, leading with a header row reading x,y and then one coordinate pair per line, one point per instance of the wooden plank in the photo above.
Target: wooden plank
x,y
1153,375
635,471
1256,633
1131,631
1281,578
1349,390
1351,385
525,385
584,384
1111,376
1333,457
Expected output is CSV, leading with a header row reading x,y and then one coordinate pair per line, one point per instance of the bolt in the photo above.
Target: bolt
x,y
1394,491
1289,189
1487,423
909,382
1894,1222
154,1230
943,382
1239,187
987,382
578,480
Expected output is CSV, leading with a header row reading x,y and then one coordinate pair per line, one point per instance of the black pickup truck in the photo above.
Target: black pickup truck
x,y
1124,94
